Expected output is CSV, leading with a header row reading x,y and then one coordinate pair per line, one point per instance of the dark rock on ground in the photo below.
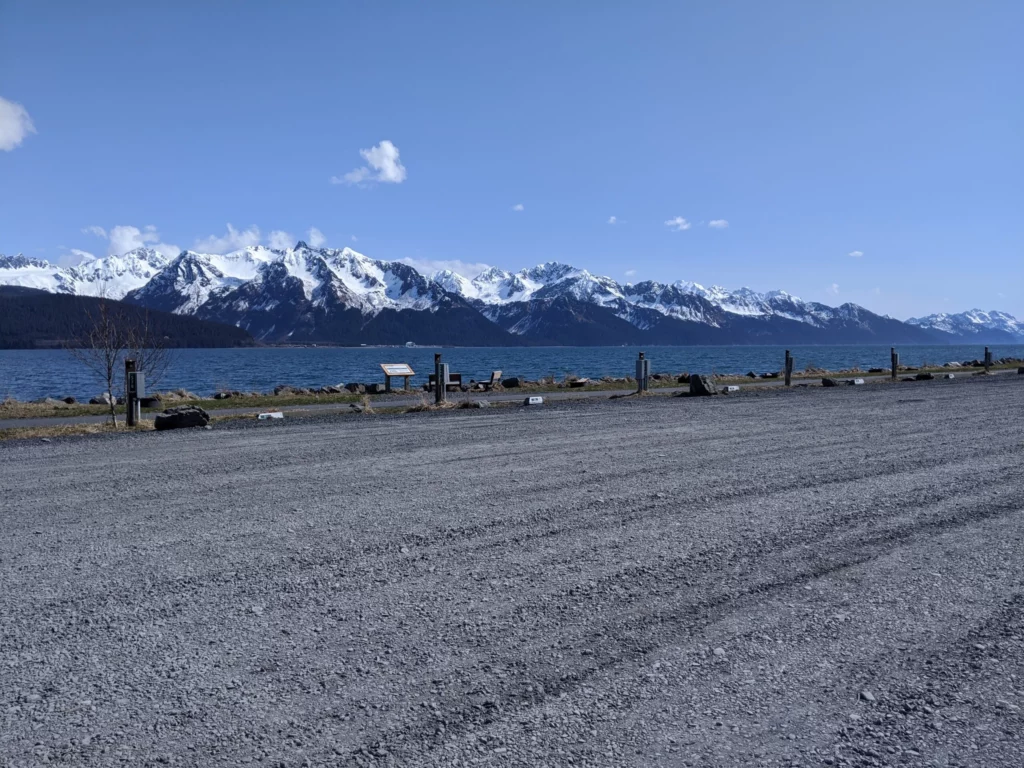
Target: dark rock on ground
x,y
827,382
70,400
182,417
222,396
702,385
356,389
512,382
150,402
925,376
103,398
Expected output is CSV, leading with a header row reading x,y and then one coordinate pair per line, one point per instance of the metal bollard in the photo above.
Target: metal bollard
x,y
643,373
440,379
988,359
789,369
894,358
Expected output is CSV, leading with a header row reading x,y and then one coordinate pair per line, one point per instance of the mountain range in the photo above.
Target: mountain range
x,y
306,294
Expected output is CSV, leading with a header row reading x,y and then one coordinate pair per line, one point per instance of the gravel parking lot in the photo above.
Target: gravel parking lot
x,y
783,578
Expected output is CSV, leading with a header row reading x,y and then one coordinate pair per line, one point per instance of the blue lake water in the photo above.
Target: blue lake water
x,y
31,374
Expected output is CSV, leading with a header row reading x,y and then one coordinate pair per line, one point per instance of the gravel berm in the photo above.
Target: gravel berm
x,y
801,578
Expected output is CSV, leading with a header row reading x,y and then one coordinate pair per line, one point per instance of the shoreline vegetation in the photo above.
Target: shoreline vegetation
x,y
365,398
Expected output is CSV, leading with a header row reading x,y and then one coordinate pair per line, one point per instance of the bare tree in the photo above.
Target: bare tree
x,y
100,346
112,333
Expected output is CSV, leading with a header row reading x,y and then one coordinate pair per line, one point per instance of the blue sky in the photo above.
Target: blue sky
x,y
815,130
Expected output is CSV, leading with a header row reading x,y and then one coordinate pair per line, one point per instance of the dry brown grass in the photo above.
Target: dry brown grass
x,y
71,430
428,404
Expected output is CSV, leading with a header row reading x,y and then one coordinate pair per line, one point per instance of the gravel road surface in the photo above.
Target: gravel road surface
x,y
780,578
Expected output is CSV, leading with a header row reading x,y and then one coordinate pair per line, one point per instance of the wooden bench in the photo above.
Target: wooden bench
x,y
454,383
495,380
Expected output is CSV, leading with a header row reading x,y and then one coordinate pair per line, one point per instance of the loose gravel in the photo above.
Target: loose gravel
x,y
802,578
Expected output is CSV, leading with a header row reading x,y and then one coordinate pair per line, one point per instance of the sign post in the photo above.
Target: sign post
x,y
135,388
894,359
397,370
440,379
643,373
789,368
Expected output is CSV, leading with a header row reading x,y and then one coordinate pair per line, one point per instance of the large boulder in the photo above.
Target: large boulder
x,y
182,417
511,382
373,388
356,389
70,400
1020,371
104,398
925,376
827,382
702,385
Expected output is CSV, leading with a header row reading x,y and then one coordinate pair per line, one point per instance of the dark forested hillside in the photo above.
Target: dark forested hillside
x,y
37,319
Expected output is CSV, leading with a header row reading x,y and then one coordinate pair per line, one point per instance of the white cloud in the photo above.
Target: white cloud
x,y
382,164
834,289
355,239
316,237
718,223
678,224
280,240
612,220
232,241
878,291
856,254
630,272
518,207
15,124
430,266
124,238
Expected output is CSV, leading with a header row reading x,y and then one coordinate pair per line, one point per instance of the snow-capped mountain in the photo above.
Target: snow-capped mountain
x,y
110,276
323,294
974,322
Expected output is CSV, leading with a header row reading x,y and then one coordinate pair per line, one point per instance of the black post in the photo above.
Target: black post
x,y
438,385
130,392
789,369
894,358
988,359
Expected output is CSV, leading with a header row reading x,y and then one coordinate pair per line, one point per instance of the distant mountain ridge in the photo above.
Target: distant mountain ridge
x,y
307,294
31,318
